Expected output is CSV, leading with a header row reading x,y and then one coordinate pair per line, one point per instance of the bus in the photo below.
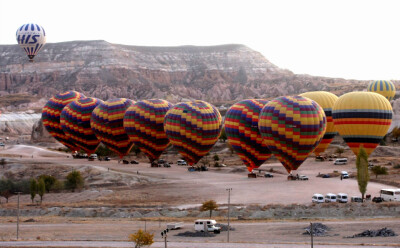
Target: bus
x,y
390,194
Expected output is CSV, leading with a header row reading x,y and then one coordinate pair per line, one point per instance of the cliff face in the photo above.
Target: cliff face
x,y
217,74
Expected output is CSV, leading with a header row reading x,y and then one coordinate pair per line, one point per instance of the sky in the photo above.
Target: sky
x,y
351,39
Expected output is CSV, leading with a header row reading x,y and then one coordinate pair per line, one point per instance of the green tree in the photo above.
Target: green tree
x,y
362,171
223,136
74,181
141,238
33,187
379,170
3,163
41,189
209,206
136,150
396,133
6,188
49,181
339,151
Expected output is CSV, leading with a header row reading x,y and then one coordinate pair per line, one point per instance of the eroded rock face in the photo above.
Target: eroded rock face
x,y
226,73
39,133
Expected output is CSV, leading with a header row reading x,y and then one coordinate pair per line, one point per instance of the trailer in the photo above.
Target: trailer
x,y
176,225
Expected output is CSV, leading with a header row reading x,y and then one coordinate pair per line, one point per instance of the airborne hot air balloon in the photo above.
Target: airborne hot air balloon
x,y
144,124
362,119
326,100
241,128
31,37
292,127
193,128
384,87
107,122
75,122
51,116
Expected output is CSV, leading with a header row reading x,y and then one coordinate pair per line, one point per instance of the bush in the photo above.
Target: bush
x,y
141,238
397,166
74,181
58,186
49,181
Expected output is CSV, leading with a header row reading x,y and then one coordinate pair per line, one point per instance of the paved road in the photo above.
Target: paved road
x,y
104,244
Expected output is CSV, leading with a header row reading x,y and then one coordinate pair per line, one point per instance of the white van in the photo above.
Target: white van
x,y
330,197
340,161
200,225
390,194
181,162
344,174
318,198
342,198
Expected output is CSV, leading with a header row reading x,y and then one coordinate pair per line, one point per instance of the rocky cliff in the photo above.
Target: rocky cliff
x,y
217,74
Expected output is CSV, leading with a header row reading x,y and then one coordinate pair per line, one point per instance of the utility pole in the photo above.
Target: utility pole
x,y
312,234
229,206
18,215
164,236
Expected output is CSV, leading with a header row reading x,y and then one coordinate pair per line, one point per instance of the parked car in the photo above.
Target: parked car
x,y
181,162
2,144
134,162
326,176
318,198
92,157
167,165
107,159
356,199
377,199
340,161
344,174
303,177
125,161
268,175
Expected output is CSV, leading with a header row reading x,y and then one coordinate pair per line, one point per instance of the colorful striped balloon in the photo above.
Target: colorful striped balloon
x,y
75,122
144,124
362,119
51,113
241,128
384,87
193,128
326,100
107,122
292,127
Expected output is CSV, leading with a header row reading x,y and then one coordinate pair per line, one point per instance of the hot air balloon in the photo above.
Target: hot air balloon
x,y
326,100
144,124
384,87
241,128
51,116
107,122
75,122
193,128
292,127
31,37
362,119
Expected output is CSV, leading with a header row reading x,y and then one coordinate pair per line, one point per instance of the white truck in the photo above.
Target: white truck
x,y
206,224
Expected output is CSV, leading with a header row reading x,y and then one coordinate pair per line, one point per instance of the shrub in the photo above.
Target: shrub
x,y
141,238
74,181
49,181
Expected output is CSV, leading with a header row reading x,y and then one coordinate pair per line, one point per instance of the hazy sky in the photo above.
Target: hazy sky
x,y
339,38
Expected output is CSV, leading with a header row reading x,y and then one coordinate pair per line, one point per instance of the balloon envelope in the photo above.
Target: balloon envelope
x,y
31,37
144,124
75,122
107,122
51,116
241,128
326,100
193,128
384,87
292,127
362,119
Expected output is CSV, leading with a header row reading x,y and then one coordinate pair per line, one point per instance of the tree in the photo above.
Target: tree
x,y
396,133
362,171
41,189
141,238
74,181
33,187
49,181
379,170
339,151
136,150
223,136
3,162
209,206
6,188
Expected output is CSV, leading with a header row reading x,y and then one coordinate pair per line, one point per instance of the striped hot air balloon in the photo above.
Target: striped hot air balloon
x,y
326,100
384,87
75,122
144,124
31,37
107,122
241,128
193,128
362,119
51,113
292,127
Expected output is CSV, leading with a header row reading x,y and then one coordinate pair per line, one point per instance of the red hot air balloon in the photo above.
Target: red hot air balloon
x,y
75,122
51,116
241,128
107,122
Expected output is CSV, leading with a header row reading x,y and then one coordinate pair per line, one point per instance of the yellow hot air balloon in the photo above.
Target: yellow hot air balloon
x,y
362,119
326,100
384,87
